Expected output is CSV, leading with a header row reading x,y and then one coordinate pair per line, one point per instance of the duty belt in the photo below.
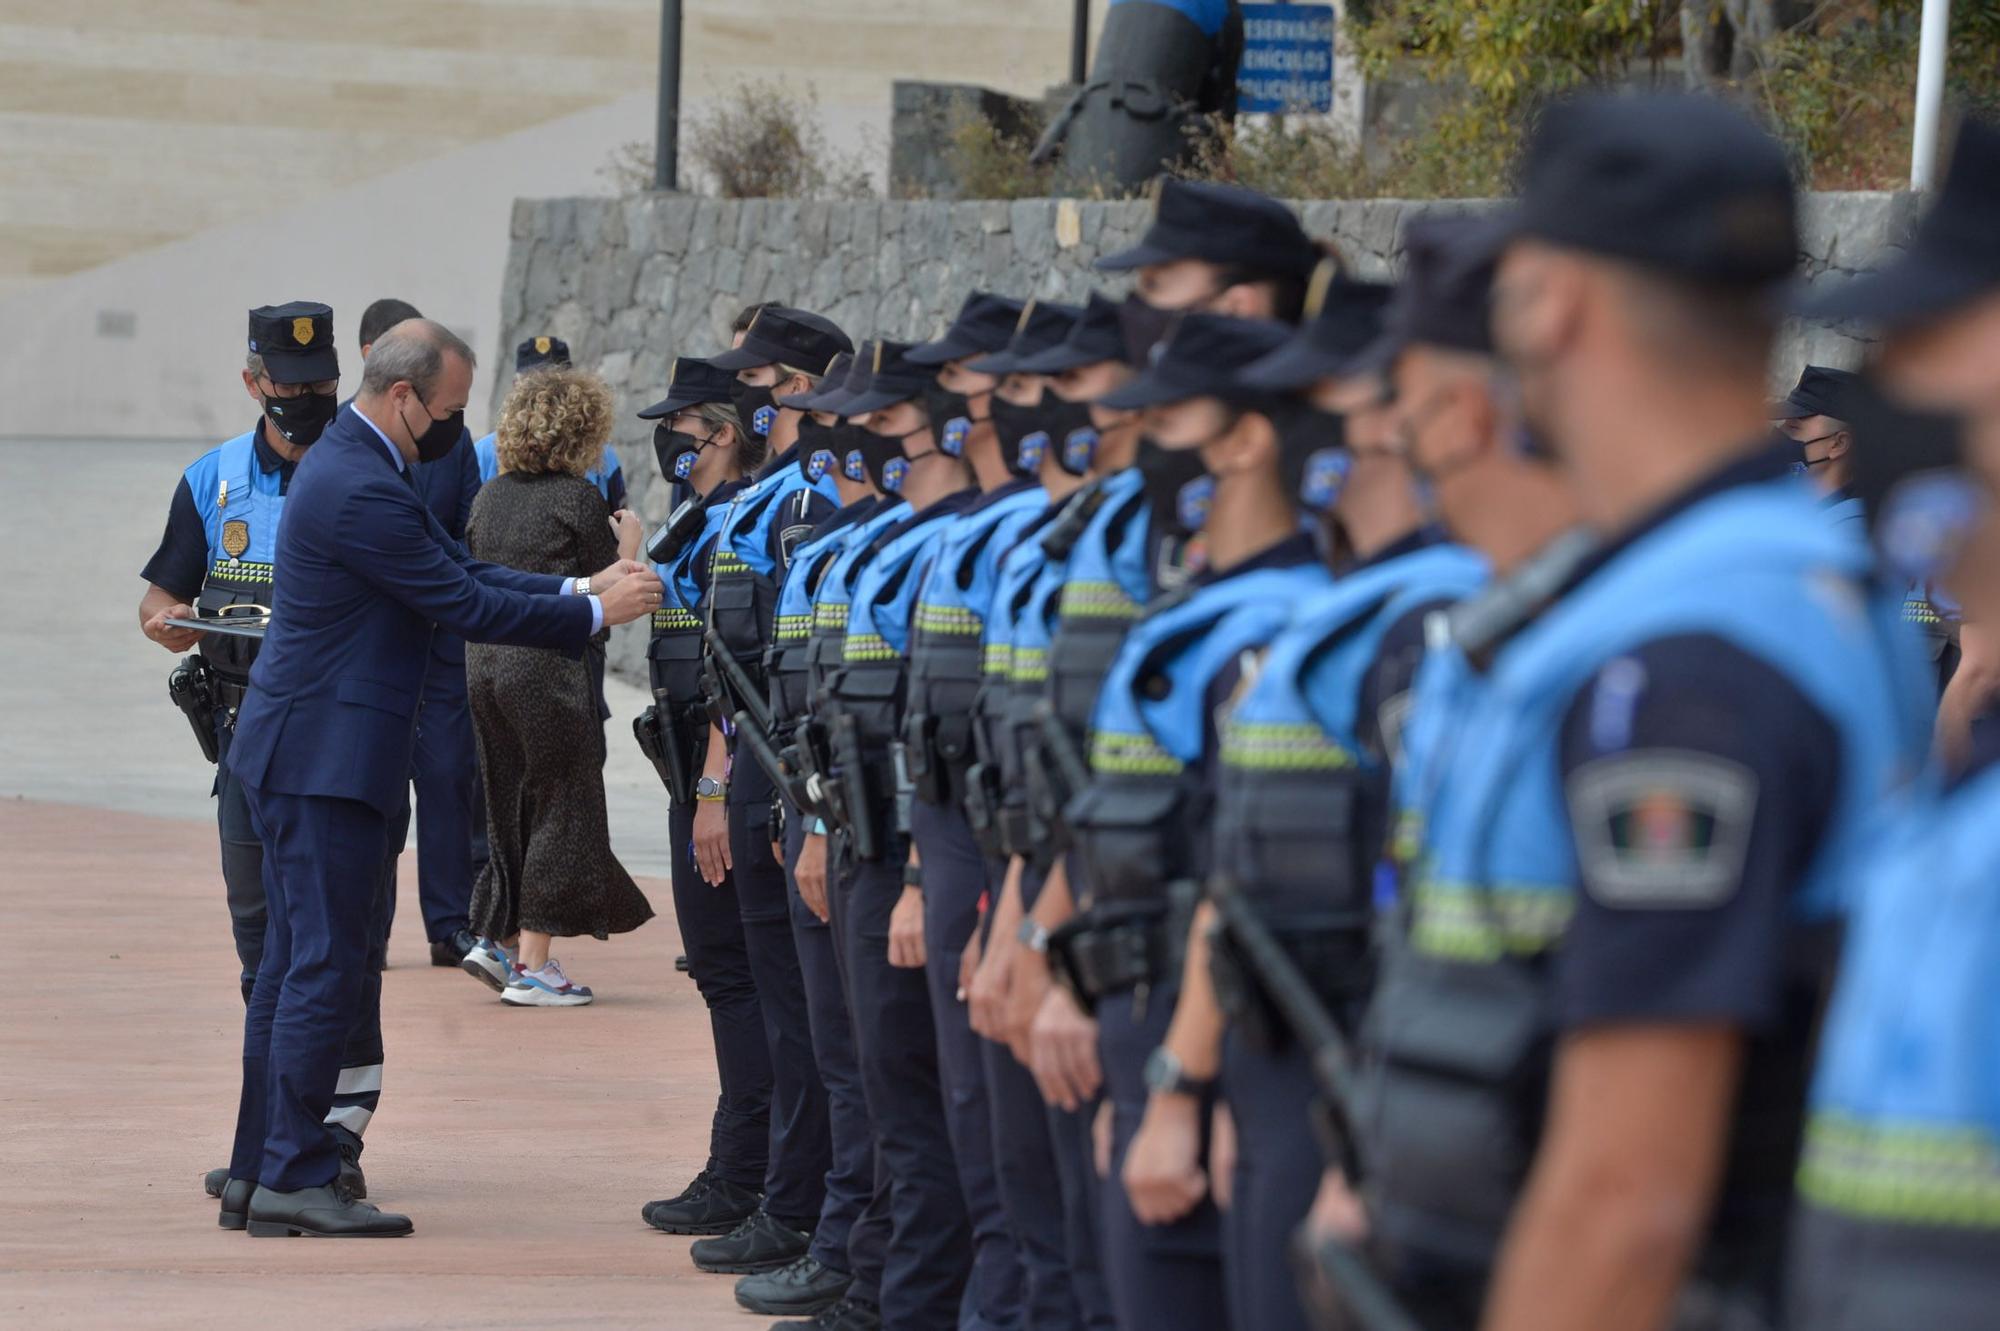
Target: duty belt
x,y
1099,955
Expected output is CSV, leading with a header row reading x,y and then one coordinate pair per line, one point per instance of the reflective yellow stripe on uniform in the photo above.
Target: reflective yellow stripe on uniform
x,y
1911,1173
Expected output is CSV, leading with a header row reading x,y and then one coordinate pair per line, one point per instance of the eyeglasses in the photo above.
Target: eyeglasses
x,y
323,387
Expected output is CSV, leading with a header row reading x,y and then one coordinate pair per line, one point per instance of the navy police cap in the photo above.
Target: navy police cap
x,y
780,335
1821,391
1677,182
1223,224
690,383
984,324
1342,317
543,350
1446,296
1954,257
296,341
892,377
1202,357
1042,325
1094,336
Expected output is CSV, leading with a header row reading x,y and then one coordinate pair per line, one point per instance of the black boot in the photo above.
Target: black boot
x,y
758,1244
709,1205
847,1315
321,1213
798,1290
350,1180
212,1181
451,949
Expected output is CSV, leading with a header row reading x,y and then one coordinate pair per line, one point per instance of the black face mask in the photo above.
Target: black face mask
x,y
676,451
754,407
1072,436
441,436
884,460
1313,460
1909,474
302,419
952,413
1175,484
820,448
1024,441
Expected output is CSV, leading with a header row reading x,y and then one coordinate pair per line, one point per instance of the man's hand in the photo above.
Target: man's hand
x,y
173,638
1030,985
1062,1045
968,962
711,840
626,527
636,594
1222,1155
1163,1174
1337,1212
811,874
906,930
604,580
988,995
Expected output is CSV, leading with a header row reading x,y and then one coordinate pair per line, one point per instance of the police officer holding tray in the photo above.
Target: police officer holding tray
x,y
1621,915
362,575
217,553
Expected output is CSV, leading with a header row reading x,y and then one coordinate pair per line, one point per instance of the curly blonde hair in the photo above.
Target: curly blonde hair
x,y
556,419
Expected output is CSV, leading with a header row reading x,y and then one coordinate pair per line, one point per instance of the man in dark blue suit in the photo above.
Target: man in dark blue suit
x,y
324,741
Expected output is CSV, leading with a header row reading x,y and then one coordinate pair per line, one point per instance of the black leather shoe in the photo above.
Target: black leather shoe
x,y
451,951
235,1202
212,1181
846,1315
798,1290
709,1205
321,1213
351,1182
758,1244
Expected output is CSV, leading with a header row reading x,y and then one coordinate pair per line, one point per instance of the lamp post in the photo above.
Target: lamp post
x,y
666,128
1931,43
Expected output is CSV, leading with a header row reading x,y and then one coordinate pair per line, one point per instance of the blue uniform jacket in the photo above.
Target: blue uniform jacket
x,y
367,571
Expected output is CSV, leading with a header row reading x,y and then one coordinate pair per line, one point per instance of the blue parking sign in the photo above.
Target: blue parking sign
x,y
1287,59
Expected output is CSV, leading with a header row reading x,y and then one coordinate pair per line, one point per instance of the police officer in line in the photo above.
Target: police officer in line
x,y
1814,415
837,1283
451,833
1220,248
1140,824
934,919
1897,1226
702,446
783,352
1300,815
929,1255
1582,1099
533,353
215,559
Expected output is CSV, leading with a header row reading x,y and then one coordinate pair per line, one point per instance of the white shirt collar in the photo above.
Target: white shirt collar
x,y
395,454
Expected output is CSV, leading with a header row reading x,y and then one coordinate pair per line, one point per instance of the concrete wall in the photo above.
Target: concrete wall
x,y
632,283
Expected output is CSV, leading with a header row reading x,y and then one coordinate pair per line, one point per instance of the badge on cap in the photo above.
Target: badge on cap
x,y
893,473
302,330
235,537
819,464
542,346
1322,282
1079,447
856,466
1194,501
765,418
953,441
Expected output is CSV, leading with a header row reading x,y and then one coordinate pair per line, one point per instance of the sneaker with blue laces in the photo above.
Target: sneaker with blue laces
x,y
547,987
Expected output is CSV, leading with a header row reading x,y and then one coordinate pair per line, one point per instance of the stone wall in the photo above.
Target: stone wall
x,y
631,283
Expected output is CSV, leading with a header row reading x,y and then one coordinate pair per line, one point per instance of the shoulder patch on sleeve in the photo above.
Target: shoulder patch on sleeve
x,y
1662,829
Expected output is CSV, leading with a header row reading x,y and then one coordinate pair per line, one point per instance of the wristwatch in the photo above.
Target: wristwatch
x,y
582,585
913,876
1034,935
1165,1076
711,790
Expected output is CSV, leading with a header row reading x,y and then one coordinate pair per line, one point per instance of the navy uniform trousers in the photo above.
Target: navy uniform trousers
x,y
801,1150
360,1082
853,1233
1047,1181
445,770
712,937
326,895
930,1247
1161,1276
1269,1094
954,880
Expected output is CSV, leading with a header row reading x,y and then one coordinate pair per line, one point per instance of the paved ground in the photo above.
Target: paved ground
x,y
522,1142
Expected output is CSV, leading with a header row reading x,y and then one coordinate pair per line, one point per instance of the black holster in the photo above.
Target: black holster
x,y
191,687
651,734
